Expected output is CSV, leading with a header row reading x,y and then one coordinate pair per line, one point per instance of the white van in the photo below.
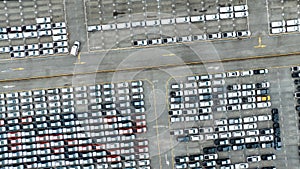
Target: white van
x,y
75,48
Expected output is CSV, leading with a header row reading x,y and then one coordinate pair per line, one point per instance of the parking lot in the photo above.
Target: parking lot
x,y
22,35
283,16
97,126
125,23
216,135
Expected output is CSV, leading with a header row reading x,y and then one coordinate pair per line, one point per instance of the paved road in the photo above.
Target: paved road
x,y
151,57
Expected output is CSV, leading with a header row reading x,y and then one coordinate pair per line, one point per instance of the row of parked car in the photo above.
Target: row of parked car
x,y
295,73
283,26
227,12
213,160
44,27
208,36
50,48
261,138
95,137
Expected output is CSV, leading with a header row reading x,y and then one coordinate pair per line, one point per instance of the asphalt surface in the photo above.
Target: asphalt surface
x,y
158,64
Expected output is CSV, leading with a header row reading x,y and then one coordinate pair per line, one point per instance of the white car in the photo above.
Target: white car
x,y
204,90
252,132
196,137
248,93
250,126
226,9
253,159
206,130
251,139
226,15
176,86
234,101
214,36
185,39
250,119
247,73
206,104
292,29
263,104
240,8
200,18
235,127
191,130
278,30
205,117
233,74
241,14
248,106
264,117
234,94
60,38
243,33
238,133
218,82
248,86
241,165
61,50
211,136
212,17
266,138
190,85
221,108
221,122
190,92
276,24
225,135
204,84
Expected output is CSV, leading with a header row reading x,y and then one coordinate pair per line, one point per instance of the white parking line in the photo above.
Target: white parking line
x,y
86,26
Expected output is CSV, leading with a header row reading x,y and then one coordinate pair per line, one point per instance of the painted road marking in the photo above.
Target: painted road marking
x,y
260,45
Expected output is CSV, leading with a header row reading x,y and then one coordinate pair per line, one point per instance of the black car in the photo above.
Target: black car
x,y
298,108
277,132
223,161
252,145
172,94
297,81
298,101
298,88
275,110
224,148
295,74
264,91
275,115
183,139
277,143
275,125
217,141
229,87
209,150
237,140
